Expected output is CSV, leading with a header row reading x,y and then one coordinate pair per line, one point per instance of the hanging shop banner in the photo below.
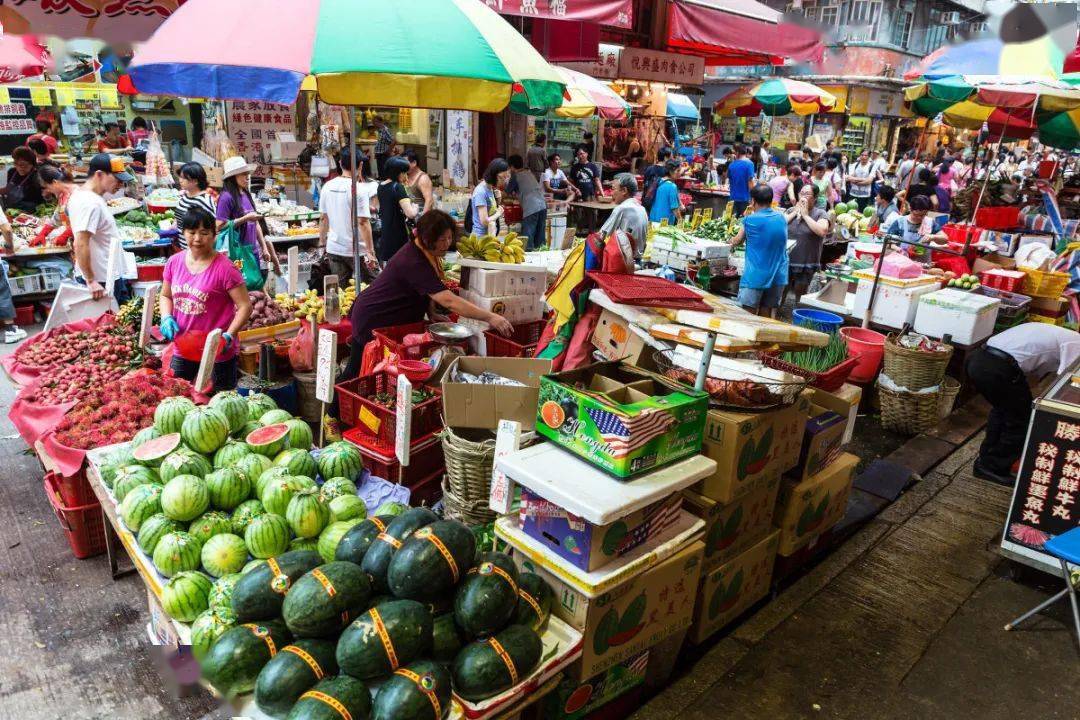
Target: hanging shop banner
x,y
729,129
786,131
605,67
753,131
665,67
253,125
16,126
110,20
616,13
458,146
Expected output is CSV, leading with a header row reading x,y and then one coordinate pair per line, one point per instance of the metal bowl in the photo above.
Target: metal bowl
x,y
449,332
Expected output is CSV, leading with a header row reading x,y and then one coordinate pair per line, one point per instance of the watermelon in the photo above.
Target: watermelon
x,y
170,413
209,524
331,536
260,591
184,462
140,504
298,462
152,530
177,552
377,558
249,427
446,638
228,488
320,702
244,513
272,473
253,465
487,598
357,540
232,405
205,429
291,673
224,554
481,671
258,404
420,571
185,497
207,628
534,601
307,513
230,453
113,463
414,692
143,435
322,602
269,440
267,535
300,436
278,492
252,564
186,595
131,476
152,452
390,507
340,459
221,593
408,627
302,543
234,661
336,487
275,416
348,507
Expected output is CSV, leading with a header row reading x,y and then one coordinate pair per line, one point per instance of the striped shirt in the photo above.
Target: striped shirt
x,y
203,199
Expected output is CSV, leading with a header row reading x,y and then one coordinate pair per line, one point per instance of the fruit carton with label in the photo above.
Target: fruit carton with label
x,y
574,700
733,587
807,508
732,528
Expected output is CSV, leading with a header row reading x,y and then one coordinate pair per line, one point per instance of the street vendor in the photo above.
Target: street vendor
x,y
201,291
917,226
23,189
765,233
11,333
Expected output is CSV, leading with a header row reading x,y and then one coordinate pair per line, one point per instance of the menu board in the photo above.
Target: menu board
x,y
729,129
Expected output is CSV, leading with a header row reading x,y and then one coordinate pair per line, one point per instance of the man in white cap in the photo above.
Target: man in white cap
x,y
96,235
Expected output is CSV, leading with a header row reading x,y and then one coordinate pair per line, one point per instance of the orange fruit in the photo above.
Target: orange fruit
x,y
552,414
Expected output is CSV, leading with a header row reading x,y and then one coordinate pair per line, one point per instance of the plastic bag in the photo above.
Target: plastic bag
x,y
228,240
302,349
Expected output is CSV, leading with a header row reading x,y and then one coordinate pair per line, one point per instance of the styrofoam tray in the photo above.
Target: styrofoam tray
x,y
568,481
591,584
515,267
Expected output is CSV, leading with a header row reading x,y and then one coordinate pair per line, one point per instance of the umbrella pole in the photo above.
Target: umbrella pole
x,y
986,178
352,212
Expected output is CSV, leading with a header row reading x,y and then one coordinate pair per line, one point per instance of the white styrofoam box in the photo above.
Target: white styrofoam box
x,y
489,283
894,306
515,308
967,317
677,261
24,284
527,283
697,248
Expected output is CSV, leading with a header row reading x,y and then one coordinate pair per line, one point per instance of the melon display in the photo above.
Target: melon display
x,y
224,554
249,427
331,536
278,492
209,524
269,440
267,535
186,595
307,513
185,498
300,435
298,462
340,459
336,487
177,552
143,435
205,429
348,507
184,461
154,528
273,473
131,476
170,413
258,405
232,405
228,488
275,416
302,543
206,629
244,513
230,453
221,593
153,451
140,504
252,465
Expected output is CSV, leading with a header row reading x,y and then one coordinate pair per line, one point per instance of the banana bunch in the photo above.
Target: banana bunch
x,y
286,301
346,296
509,249
310,306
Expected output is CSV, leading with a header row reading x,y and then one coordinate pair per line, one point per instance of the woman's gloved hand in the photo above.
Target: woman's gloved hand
x,y
229,340
169,328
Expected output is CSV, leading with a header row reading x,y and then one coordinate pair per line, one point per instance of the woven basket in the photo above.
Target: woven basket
x,y
908,412
914,369
467,484
950,388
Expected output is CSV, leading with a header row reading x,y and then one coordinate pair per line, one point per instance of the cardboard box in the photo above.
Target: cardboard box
x,y
468,405
621,419
733,587
1048,307
573,700
851,396
632,617
821,439
751,446
589,546
730,529
992,260
616,340
807,508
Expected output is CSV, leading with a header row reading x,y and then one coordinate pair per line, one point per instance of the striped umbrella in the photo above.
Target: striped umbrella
x,y
585,96
407,53
778,96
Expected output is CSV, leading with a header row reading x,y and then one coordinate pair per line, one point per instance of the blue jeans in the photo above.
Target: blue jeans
x,y
761,298
534,227
7,306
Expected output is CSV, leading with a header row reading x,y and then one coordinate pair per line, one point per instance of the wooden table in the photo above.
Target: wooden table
x,y
592,210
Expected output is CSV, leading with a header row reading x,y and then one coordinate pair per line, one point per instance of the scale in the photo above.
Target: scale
x,y
450,335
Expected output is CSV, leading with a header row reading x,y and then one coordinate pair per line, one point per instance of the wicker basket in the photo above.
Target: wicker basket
x,y
950,388
908,412
914,369
467,484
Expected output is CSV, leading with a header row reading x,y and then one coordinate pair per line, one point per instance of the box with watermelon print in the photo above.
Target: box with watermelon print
x,y
573,700
732,528
621,419
730,589
807,508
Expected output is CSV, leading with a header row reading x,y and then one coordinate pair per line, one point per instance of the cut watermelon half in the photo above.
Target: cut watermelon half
x,y
269,440
152,452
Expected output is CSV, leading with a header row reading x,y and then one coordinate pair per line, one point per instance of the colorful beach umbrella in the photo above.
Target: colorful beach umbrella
x,y
408,53
585,96
778,96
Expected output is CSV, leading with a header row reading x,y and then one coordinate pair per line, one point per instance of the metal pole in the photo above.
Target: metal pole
x,y
877,276
706,360
352,211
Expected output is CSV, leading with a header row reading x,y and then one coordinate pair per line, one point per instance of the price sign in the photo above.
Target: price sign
x,y
404,420
5,96
294,269
65,96
40,97
149,304
331,301
209,356
325,366
507,440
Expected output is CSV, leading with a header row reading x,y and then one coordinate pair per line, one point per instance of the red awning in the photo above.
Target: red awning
x,y
739,32
617,13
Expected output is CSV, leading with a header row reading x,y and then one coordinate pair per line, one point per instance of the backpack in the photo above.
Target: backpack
x,y
649,196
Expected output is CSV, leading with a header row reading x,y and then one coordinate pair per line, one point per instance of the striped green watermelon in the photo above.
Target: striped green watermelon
x,y
143,435
131,476
170,412
139,504
391,507
205,429
186,596
244,513
331,536
228,488
233,406
253,466
252,564
299,434
113,463
269,440
221,594
307,513
209,524
274,417
267,535
224,554
185,498
302,543
348,507
177,552
249,427
336,487
184,461
152,452
279,491
230,453
206,629
273,473
259,404
153,528
298,461
340,459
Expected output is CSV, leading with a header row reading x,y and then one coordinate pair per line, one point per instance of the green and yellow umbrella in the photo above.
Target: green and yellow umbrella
x,y
778,96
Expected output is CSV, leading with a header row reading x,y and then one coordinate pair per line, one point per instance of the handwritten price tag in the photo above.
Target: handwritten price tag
x,y
507,440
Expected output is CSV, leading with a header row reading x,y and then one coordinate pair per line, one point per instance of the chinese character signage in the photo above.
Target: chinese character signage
x,y
616,13
458,146
665,67
254,125
605,67
16,126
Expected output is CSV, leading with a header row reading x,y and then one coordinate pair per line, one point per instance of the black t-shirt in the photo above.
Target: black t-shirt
x,y
395,234
916,190
584,176
653,174
398,296
23,191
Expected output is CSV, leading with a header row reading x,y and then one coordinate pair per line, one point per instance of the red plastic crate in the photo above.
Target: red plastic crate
x,y
376,423
83,524
425,459
24,315
150,273
648,291
521,344
958,233
829,381
74,490
428,491
998,218
1008,280
392,339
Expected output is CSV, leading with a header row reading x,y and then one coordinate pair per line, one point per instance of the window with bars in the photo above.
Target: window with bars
x,y
902,22
863,17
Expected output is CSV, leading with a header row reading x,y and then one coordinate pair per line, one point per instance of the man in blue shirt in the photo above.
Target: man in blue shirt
x,y
665,204
741,179
766,273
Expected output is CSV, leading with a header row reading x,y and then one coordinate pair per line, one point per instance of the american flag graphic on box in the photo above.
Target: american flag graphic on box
x,y
625,434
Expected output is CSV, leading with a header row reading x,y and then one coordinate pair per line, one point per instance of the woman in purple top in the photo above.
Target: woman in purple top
x,y
235,203
201,291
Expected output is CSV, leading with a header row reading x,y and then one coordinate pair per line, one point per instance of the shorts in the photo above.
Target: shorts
x,y
766,298
225,374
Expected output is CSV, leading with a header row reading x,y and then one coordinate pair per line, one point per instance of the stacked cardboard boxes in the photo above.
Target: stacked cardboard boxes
x,y
513,291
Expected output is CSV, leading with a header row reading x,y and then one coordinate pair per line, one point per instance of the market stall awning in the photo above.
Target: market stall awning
x,y
681,107
778,96
585,96
739,32
616,13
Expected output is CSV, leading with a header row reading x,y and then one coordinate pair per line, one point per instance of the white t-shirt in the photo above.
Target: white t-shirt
x,y
334,203
861,171
555,179
1039,348
879,166
89,213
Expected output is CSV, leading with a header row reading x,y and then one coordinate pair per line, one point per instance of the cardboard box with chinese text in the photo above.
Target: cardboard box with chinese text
x,y
573,699
807,508
733,587
617,340
732,528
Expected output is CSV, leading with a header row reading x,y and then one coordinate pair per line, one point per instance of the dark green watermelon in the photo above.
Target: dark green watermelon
x,y
355,543
406,626
418,691
292,672
534,601
325,600
446,638
432,561
377,558
322,701
487,599
234,661
259,593
481,671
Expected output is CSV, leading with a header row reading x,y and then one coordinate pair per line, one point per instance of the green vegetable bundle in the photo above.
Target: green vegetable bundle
x,y
820,359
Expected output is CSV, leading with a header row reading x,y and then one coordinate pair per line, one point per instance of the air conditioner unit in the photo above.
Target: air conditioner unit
x,y
950,18
979,27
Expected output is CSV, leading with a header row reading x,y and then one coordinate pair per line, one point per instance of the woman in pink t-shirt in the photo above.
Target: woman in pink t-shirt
x,y
202,290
